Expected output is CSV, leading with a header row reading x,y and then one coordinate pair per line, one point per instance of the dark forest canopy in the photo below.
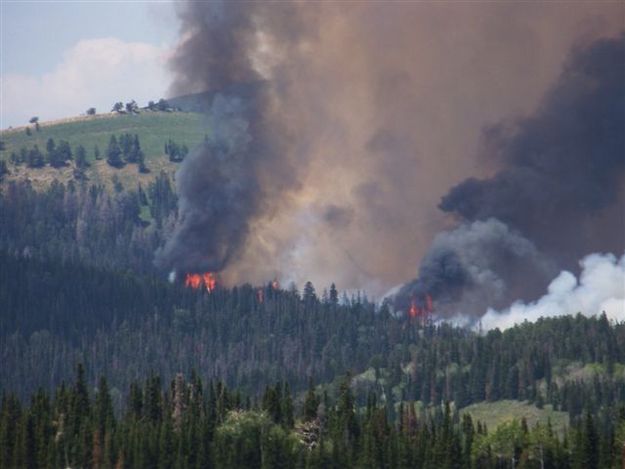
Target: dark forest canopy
x,y
77,285
192,424
125,326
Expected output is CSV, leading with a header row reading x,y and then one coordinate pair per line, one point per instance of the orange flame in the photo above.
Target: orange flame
x,y
195,281
275,284
210,281
422,312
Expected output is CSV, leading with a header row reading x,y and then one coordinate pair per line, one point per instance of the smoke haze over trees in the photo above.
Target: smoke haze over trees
x,y
560,192
320,149
223,317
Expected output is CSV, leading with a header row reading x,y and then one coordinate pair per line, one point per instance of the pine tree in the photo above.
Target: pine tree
x,y
309,293
287,408
590,444
103,409
346,412
311,403
80,396
334,294
113,153
81,157
166,445
35,158
153,400
272,402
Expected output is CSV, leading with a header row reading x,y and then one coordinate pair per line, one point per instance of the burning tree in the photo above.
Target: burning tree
x,y
196,281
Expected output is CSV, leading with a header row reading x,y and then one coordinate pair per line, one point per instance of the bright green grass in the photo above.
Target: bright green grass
x,y
153,129
494,414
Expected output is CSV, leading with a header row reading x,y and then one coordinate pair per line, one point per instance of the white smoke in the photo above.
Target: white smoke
x,y
600,288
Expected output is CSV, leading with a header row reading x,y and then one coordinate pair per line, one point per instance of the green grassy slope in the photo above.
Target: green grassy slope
x,y
153,128
496,413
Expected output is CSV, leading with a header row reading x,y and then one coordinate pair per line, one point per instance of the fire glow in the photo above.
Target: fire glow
x,y
196,281
422,312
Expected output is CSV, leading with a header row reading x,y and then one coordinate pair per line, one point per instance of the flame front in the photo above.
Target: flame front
x,y
206,279
422,312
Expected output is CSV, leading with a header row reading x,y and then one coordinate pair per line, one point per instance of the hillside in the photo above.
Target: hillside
x,y
292,361
494,414
154,129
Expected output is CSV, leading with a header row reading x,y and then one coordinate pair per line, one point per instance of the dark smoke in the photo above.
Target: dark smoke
x,y
477,265
338,217
218,190
335,129
563,165
558,196
231,178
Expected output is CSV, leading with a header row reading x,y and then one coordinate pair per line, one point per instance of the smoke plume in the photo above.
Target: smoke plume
x,y
600,288
335,130
560,192
477,266
564,165
225,182
218,190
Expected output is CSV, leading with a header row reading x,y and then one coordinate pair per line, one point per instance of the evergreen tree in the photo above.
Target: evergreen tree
x,y
334,294
81,157
287,408
35,158
113,153
311,403
590,446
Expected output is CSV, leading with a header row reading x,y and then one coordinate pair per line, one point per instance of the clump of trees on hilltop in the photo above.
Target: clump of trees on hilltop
x,y
176,151
126,150
131,107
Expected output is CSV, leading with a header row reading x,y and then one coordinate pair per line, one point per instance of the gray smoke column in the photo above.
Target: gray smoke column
x,y
219,182
478,265
335,128
564,165
558,196
218,191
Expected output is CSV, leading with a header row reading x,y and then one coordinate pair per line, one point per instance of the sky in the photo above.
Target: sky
x,y
58,58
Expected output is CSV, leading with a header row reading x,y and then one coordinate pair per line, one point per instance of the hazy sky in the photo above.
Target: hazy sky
x,y
60,57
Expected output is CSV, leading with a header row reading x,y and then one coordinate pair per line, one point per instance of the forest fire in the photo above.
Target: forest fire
x,y
196,281
422,312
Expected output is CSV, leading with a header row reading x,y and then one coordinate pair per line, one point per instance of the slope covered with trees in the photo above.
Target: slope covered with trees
x,y
78,285
125,326
195,425
81,149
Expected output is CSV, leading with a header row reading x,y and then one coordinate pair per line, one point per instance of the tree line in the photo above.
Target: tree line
x,y
85,222
191,424
121,150
125,325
